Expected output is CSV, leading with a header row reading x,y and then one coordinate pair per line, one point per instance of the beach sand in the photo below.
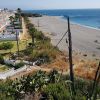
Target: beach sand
x,y
85,40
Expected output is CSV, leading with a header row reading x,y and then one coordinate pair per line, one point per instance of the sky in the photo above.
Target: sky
x,y
49,4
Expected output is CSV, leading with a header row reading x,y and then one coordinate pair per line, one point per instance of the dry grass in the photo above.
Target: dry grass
x,y
3,68
60,63
86,69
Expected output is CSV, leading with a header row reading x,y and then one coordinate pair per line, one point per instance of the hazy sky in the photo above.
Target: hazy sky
x,y
49,4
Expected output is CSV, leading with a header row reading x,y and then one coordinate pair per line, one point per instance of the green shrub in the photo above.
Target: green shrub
x,y
6,46
1,59
9,65
28,51
57,91
4,90
36,55
19,65
39,35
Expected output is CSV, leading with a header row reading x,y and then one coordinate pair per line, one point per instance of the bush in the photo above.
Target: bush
x,y
57,91
28,51
60,91
19,65
44,55
9,65
1,59
41,56
39,35
6,45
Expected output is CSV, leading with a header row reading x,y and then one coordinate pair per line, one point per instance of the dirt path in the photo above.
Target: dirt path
x,y
24,35
32,69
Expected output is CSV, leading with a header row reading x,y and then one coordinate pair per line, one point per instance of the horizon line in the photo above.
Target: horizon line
x,y
66,9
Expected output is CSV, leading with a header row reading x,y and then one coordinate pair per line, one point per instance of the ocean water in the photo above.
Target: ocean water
x,y
87,17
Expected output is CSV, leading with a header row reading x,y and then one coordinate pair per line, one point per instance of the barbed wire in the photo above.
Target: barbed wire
x,y
59,41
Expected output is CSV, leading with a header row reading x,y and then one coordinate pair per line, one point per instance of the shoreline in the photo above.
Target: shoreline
x,y
86,26
83,37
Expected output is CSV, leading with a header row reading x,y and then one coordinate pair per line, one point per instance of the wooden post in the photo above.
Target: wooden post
x,y
38,23
95,84
26,43
17,43
70,58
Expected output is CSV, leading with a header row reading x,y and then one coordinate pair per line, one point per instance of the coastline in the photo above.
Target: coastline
x,y
72,22
83,37
86,26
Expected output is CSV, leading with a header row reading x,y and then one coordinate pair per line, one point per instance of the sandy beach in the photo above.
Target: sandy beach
x,y
85,39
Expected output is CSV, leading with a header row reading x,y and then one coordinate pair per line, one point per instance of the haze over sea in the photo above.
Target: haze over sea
x,y
87,17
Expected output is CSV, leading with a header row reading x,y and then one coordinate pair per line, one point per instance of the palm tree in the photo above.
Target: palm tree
x,y
32,32
19,10
19,13
16,16
11,18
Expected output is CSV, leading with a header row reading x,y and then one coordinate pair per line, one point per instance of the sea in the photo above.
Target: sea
x,y
87,17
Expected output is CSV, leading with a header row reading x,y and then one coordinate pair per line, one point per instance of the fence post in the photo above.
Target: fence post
x,y
70,57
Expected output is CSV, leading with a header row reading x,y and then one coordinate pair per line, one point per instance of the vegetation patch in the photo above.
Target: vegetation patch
x,y
6,45
3,68
47,86
42,47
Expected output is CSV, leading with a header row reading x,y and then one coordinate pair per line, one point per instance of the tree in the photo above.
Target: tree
x,y
19,10
11,18
29,25
32,32
16,16
19,13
